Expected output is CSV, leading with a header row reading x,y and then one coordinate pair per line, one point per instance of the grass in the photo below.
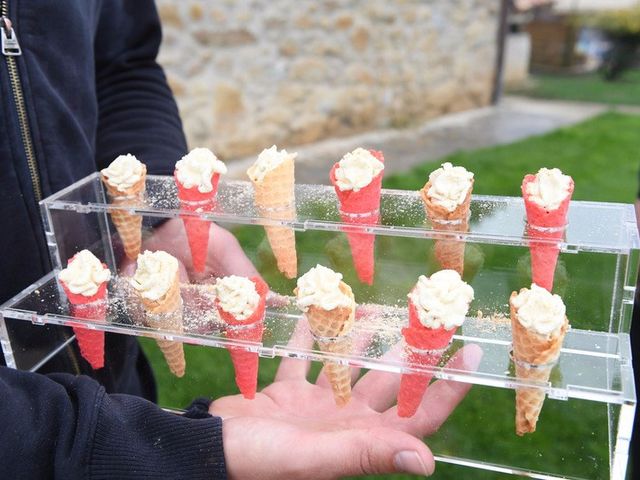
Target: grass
x,y
602,157
585,88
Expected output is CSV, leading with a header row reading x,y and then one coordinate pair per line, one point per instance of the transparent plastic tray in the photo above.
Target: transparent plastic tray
x,y
593,365
592,226
597,273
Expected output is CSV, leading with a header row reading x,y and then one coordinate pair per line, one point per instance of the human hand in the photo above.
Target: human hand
x,y
293,429
226,257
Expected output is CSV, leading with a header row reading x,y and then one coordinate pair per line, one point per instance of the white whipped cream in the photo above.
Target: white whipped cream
x,y
539,310
268,159
357,169
197,167
124,172
549,188
155,274
320,286
237,296
442,300
449,186
84,274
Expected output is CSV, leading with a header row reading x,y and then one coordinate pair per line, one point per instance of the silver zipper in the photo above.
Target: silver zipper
x,y
11,49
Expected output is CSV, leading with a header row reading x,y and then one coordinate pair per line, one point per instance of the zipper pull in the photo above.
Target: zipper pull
x,y
10,45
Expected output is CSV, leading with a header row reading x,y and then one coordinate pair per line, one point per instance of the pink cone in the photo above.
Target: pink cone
x,y
197,230
544,256
425,348
361,208
245,363
90,342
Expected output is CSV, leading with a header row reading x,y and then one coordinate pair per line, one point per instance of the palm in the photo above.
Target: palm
x,y
296,401
292,416
293,429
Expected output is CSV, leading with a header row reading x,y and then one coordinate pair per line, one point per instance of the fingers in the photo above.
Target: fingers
x,y
275,300
360,344
365,452
226,256
127,268
259,448
293,368
182,272
380,389
441,398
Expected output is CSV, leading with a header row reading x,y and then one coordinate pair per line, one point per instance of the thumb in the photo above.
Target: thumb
x,y
370,451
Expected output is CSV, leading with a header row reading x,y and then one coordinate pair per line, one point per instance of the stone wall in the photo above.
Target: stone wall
x,y
251,73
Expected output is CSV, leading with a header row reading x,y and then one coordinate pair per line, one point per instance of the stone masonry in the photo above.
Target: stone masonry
x,y
251,73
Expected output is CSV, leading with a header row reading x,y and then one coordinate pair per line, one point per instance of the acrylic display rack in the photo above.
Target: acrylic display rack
x,y
594,365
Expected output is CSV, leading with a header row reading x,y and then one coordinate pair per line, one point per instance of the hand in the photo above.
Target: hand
x,y
226,257
293,430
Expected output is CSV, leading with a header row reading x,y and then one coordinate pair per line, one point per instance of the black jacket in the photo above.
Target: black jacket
x,y
85,89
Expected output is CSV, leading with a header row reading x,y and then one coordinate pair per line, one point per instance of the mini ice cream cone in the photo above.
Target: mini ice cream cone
x,y
198,195
361,207
425,348
274,199
449,253
329,308
91,342
89,307
425,345
534,356
166,313
331,329
245,363
544,224
129,226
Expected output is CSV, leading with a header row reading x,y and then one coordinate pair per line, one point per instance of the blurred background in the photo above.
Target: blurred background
x,y
500,87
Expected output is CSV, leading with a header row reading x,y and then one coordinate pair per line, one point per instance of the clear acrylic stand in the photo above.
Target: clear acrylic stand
x,y
596,277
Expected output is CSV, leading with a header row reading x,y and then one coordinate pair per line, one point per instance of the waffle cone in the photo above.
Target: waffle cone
x,y
129,226
331,329
544,256
449,253
534,356
425,347
339,375
166,314
274,199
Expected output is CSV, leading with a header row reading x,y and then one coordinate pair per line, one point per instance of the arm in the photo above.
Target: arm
x,y
60,426
137,112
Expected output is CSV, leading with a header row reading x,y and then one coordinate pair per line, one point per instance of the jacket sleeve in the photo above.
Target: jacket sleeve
x,y
137,112
61,426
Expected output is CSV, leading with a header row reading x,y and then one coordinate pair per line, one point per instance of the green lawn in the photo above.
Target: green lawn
x,y
602,157
585,88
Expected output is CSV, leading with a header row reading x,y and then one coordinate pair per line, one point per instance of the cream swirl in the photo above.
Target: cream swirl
x,y
442,300
550,188
320,287
84,274
357,169
237,296
197,167
124,172
539,310
268,159
155,274
449,186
